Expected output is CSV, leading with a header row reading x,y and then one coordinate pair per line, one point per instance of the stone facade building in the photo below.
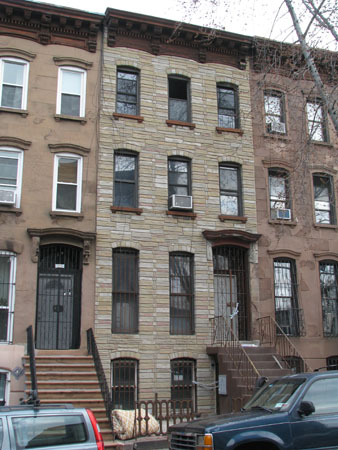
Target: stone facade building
x,y
176,206
296,188
49,86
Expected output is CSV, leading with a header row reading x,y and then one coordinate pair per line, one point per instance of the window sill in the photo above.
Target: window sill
x,y
22,112
325,225
321,143
171,123
118,116
11,210
59,117
66,214
187,214
279,137
115,209
290,223
223,218
221,130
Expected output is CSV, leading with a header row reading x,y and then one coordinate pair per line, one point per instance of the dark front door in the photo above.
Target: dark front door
x,y
59,297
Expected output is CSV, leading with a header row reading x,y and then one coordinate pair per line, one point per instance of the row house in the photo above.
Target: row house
x,y
296,191
49,86
176,229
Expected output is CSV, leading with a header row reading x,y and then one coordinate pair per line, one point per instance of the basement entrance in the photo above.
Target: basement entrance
x,y
58,309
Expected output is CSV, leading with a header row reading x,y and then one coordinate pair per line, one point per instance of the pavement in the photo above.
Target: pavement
x,y
146,443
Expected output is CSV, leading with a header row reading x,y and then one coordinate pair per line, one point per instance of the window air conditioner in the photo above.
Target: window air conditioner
x,y
277,127
180,202
7,197
284,214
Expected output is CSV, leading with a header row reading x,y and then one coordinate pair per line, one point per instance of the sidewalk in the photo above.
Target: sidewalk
x,y
145,443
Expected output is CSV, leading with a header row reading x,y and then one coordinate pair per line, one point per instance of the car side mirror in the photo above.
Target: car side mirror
x,y
306,408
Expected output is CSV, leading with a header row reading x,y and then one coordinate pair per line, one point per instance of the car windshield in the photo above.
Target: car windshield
x,y
275,396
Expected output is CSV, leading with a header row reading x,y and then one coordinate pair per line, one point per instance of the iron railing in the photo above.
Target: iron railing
x,y
166,412
93,350
224,336
33,397
270,333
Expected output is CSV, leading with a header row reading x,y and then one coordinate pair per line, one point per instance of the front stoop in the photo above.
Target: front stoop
x,y
71,379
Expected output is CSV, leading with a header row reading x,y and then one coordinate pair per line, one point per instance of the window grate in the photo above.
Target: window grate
x,y
124,383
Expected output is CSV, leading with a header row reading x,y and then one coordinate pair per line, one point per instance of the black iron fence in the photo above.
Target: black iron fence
x,y
33,397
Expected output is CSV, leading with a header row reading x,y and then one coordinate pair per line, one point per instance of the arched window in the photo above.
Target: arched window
x,y
279,194
324,200
127,91
230,184
275,119
228,106
126,179
179,98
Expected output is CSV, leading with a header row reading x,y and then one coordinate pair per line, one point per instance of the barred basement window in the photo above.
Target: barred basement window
x,y
124,374
7,294
332,362
183,388
328,272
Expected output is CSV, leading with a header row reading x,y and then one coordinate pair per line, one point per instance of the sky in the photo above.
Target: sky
x,y
262,18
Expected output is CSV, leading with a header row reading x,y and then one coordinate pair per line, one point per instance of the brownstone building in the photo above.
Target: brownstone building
x,y
296,167
49,86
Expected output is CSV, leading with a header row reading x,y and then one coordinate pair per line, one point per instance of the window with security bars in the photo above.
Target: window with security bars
x,y
332,362
295,363
227,102
286,296
3,389
328,273
324,201
125,291
127,91
124,383
7,294
181,293
183,387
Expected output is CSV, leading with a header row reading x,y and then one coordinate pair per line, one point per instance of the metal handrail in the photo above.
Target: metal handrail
x,y
33,394
93,350
271,333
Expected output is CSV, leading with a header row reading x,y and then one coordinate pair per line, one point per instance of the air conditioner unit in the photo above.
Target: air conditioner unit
x,y
277,127
180,202
7,197
284,214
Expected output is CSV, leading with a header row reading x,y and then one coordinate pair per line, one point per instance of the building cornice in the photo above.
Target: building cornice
x,y
165,37
49,24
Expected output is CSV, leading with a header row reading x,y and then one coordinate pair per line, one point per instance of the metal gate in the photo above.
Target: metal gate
x,y
231,291
59,297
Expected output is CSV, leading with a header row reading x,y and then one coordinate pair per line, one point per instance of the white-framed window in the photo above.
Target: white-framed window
x,y
4,387
11,163
67,184
7,294
14,83
71,93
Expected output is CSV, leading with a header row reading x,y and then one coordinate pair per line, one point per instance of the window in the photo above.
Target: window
x,y
324,202
71,92
230,190
67,183
124,383
228,111
328,272
286,300
127,93
323,394
179,99
181,293
179,176
7,294
11,162
274,112
14,83
125,179
183,389
4,389
280,204
125,291
316,121
332,362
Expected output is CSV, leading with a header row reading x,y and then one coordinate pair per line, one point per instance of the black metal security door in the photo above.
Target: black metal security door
x,y
59,297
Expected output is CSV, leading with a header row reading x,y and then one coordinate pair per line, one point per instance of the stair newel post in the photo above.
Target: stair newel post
x,y
34,397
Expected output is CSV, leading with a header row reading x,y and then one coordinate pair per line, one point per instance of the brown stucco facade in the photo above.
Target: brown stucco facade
x,y
36,135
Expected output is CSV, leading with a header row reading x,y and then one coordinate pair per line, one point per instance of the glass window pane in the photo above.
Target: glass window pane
x,y
124,194
125,167
314,111
5,265
71,82
277,187
178,110
70,105
229,205
3,379
226,98
229,178
322,217
13,73
66,197
3,324
178,166
8,171
273,105
67,170
226,121
127,86
127,108
11,97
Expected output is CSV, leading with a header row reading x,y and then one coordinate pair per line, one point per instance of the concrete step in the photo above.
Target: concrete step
x,y
63,384
69,395
59,367
63,375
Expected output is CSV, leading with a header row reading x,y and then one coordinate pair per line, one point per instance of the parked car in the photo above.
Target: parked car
x,y
49,427
298,411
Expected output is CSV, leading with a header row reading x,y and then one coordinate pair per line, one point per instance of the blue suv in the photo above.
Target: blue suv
x,y
295,412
